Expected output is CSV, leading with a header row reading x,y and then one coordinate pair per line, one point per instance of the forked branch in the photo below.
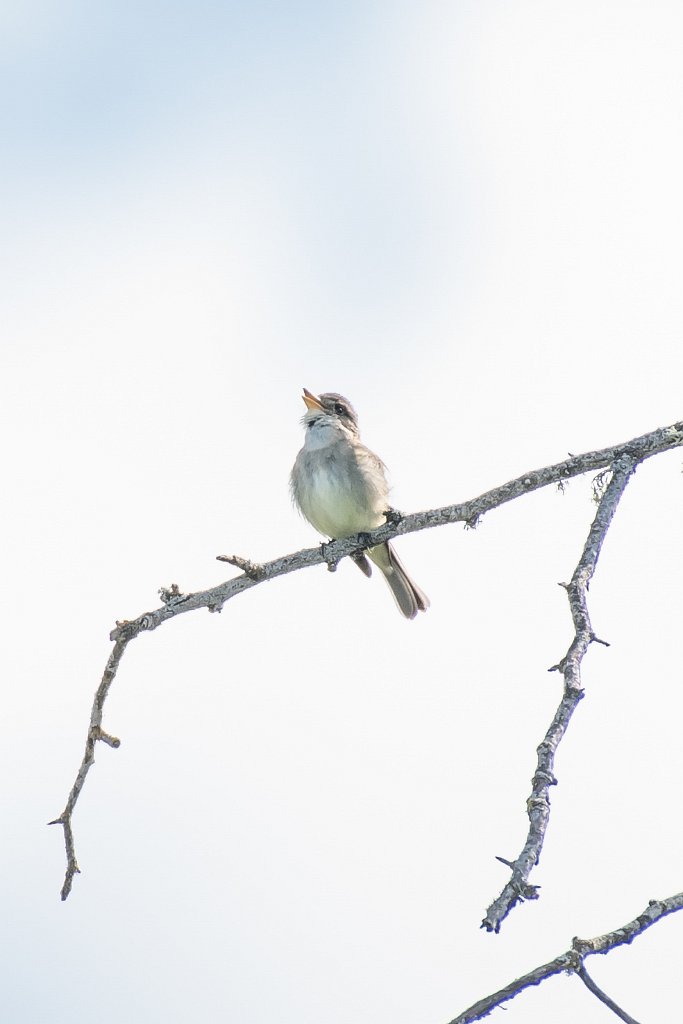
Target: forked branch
x,y
572,962
174,603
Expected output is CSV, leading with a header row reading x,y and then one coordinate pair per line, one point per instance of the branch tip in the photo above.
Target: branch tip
x,y
111,741
169,594
254,570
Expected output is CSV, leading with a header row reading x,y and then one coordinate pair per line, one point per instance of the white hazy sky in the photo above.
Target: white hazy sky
x,y
467,217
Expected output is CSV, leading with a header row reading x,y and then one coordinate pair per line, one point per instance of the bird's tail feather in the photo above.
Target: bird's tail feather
x,y
408,596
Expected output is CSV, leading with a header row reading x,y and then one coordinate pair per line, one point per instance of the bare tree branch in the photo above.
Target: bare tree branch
x,y
624,936
95,733
573,962
253,574
538,803
582,973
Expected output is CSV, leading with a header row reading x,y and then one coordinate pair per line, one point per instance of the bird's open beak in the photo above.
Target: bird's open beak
x,y
311,401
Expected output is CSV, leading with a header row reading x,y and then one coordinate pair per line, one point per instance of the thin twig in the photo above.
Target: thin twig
x,y
573,960
582,973
538,803
95,733
176,603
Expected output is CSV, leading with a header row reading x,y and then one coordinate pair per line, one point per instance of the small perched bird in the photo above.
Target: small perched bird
x,y
340,487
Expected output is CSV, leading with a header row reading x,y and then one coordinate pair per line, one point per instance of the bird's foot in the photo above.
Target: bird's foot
x,y
393,516
328,555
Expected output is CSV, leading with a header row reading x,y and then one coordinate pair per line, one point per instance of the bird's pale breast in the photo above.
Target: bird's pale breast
x,y
338,496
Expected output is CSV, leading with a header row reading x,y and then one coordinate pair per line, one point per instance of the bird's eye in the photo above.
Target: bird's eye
x,y
339,409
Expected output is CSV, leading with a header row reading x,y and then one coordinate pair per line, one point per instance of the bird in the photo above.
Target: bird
x,y
340,487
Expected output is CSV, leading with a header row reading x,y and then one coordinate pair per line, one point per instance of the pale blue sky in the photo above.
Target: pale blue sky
x,y
467,217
